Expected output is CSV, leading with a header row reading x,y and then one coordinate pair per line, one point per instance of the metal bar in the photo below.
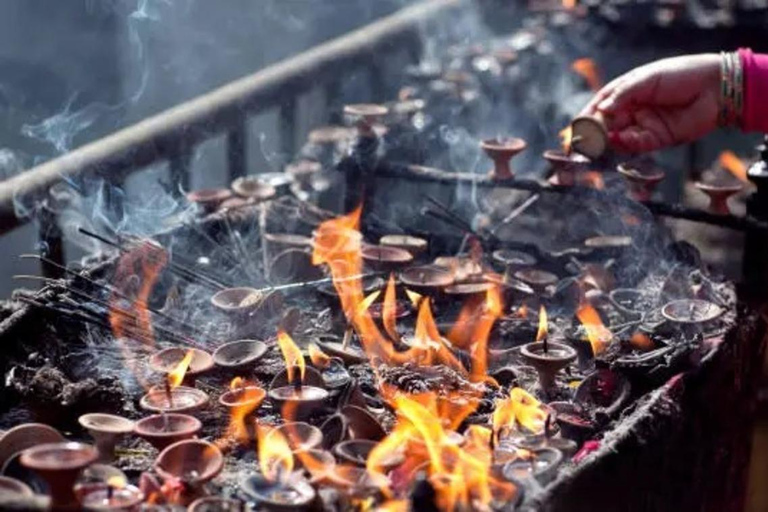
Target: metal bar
x,y
287,128
237,151
194,121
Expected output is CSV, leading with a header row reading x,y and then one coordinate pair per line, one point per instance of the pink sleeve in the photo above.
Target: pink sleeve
x,y
755,111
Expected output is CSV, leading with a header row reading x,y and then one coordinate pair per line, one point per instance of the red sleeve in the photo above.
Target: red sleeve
x,y
755,110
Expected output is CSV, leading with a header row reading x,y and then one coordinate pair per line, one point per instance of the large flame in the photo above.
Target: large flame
x,y
599,335
519,410
733,164
248,399
543,324
176,376
587,68
389,311
292,355
275,455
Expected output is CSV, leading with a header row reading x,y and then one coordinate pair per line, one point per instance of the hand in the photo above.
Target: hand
x,y
661,104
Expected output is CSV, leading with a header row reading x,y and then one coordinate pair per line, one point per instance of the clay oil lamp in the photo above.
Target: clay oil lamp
x,y
366,116
413,244
251,187
193,463
110,496
603,391
334,373
166,360
216,504
316,463
566,165
330,135
299,435
303,171
209,199
242,398
574,422
356,451
301,398
539,280
385,258
629,301
691,316
540,464
106,430
546,357
642,179
427,279
163,430
466,290
344,349
719,192
11,486
236,355
589,136
60,464
512,261
173,397
22,437
239,302
275,243
501,151
608,244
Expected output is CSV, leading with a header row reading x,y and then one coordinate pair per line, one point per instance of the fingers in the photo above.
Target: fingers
x,y
636,89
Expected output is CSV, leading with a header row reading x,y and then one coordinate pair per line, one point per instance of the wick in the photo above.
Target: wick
x,y
545,343
548,426
166,425
168,393
296,382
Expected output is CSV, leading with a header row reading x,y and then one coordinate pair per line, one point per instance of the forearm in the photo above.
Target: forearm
x,y
754,117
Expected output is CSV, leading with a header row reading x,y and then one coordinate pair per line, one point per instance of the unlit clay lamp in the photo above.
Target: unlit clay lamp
x,y
414,245
103,497
60,464
251,187
302,171
166,360
537,279
179,399
162,430
691,311
589,136
427,279
240,301
302,398
501,152
191,462
642,179
11,486
106,430
292,496
548,359
348,353
216,504
237,354
301,436
384,258
366,115
718,195
209,198
513,260
22,437
540,464
565,165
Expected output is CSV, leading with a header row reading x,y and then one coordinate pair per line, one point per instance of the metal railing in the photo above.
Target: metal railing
x,y
174,134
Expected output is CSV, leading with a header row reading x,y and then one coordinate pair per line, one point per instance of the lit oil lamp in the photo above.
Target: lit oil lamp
x,y
243,302
60,464
589,136
236,355
193,463
299,435
163,430
115,495
356,451
592,338
414,245
691,311
566,165
344,348
642,179
427,279
173,397
210,198
546,357
106,430
195,362
501,151
300,398
385,258
334,373
242,395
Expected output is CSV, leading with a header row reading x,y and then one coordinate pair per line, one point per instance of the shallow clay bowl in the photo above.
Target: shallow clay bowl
x,y
356,451
427,278
236,354
361,424
250,396
25,436
351,354
312,377
414,245
168,359
209,198
185,399
300,435
239,300
382,257
192,461
60,464
162,430
263,492
106,430
252,188
12,486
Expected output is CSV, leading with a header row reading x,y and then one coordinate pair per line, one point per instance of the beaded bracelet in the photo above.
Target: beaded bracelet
x,y
731,89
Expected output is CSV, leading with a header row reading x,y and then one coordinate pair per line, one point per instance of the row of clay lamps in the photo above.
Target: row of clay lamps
x,y
243,191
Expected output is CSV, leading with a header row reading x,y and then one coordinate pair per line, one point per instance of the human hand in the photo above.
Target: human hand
x,y
660,104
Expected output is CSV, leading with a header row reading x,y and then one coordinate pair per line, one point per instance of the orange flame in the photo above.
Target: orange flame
x,y
275,456
587,68
734,165
237,383
641,341
598,334
566,134
249,398
176,376
319,358
569,4
389,312
543,324
414,297
592,179
522,311
292,355
521,409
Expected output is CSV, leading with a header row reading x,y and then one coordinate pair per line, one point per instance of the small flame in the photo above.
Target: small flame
x,y
414,297
237,383
598,334
733,164
292,355
176,376
587,68
275,455
592,179
522,311
543,324
319,358
521,409
641,342
389,312
566,134
117,481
